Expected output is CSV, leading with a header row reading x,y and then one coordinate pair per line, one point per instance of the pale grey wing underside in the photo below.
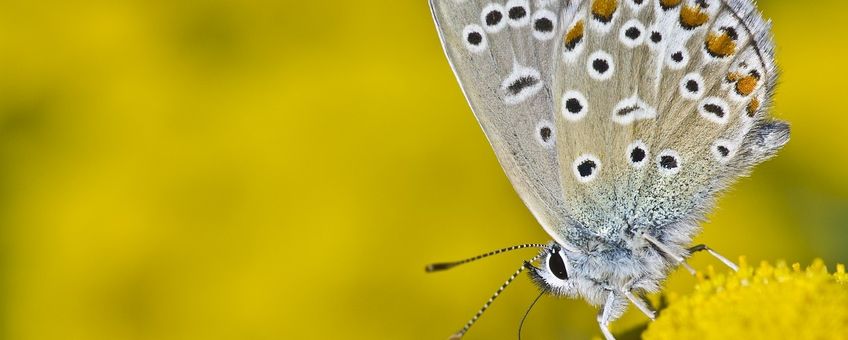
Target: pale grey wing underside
x,y
663,105
610,115
502,54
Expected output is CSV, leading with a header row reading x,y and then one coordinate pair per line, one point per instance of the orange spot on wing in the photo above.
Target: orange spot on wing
x,y
669,4
720,45
733,77
604,9
574,36
746,85
692,17
753,106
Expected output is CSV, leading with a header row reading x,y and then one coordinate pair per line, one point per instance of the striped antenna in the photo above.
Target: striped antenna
x,y
435,267
461,333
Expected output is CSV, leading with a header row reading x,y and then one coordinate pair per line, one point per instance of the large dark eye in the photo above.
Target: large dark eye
x,y
557,266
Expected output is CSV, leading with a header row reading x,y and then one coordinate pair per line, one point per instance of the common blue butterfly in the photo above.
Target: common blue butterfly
x,y
617,122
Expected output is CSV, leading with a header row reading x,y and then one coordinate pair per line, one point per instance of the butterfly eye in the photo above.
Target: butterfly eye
x,y
692,86
714,109
474,38
722,151
600,65
668,162
492,17
557,266
586,168
574,106
637,154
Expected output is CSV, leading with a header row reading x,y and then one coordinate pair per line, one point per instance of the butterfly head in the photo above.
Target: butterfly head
x,y
555,273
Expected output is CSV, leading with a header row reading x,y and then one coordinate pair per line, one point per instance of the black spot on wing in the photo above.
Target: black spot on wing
x,y
668,162
627,110
517,12
633,33
731,32
545,133
521,83
586,168
656,37
493,18
573,105
714,109
637,155
692,86
543,25
600,65
474,38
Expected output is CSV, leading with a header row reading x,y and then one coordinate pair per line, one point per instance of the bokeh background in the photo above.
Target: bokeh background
x,y
245,169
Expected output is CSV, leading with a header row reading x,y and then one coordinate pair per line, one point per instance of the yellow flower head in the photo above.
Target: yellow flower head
x,y
769,302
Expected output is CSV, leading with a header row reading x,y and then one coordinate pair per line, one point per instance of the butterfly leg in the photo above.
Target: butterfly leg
x,y
638,302
677,258
605,316
702,247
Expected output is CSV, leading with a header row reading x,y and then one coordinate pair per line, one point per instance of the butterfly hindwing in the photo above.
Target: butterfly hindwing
x,y
614,114
660,106
502,54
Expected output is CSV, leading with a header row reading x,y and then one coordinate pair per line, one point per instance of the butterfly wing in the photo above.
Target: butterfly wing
x,y
503,56
660,104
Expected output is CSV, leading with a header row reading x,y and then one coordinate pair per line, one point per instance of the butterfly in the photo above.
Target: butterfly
x,y
617,122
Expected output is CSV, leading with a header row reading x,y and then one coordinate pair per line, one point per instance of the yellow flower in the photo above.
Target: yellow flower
x,y
769,302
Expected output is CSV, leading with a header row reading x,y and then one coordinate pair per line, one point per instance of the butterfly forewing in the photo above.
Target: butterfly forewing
x,y
503,54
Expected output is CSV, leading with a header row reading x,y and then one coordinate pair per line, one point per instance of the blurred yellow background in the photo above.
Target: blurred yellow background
x,y
284,170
